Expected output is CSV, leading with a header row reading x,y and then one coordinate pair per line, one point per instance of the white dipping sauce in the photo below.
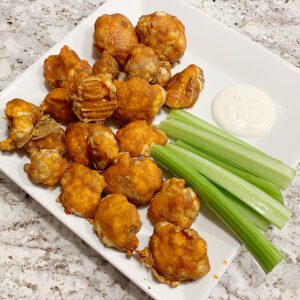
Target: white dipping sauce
x,y
244,110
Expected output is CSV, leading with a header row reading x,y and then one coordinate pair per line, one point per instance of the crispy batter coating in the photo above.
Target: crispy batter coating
x,y
59,105
175,254
106,64
66,69
143,63
104,147
22,116
55,140
138,180
47,167
95,99
138,137
138,100
164,33
81,190
183,88
164,73
115,34
174,203
116,223
77,146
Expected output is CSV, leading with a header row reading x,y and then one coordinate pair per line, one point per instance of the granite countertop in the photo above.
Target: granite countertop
x,y
42,259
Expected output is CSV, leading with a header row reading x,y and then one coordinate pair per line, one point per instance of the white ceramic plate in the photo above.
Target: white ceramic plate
x,y
226,58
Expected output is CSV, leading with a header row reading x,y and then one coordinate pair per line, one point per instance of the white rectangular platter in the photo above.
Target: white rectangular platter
x,y
226,58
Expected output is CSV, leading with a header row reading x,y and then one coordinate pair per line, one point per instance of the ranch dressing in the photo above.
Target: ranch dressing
x,y
244,110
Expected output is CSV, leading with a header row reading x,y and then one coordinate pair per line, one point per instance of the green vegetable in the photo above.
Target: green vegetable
x,y
265,185
251,195
254,162
267,255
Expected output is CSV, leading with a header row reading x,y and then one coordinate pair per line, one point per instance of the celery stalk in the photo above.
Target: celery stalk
x,y
266,254
270,188
251,195
256,163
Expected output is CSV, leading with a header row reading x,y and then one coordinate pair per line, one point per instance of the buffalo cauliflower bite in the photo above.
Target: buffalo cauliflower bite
x,y
55,140
47,167
95,98
143,63
138,100
81,190
104,147
164,33
22,116
59,105
66,69
138,180
183,88
175,254
106,64
77,146
116,223
115,34
138,137
174,203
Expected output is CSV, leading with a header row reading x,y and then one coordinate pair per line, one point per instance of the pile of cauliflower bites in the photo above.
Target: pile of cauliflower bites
x,y
105,176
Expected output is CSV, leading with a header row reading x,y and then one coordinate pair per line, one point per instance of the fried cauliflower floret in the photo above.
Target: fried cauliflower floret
x,y
116,223
53,141
143,63
174,203
164,33
22,116
66,69
104,147
115,34
77,146
95,99
81,190
47,167
106,64
175,254
138,137
59,105
183,88
138,180
138,100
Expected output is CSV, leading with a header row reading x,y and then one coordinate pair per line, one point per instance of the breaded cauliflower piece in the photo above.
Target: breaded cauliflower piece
x,y
66,69
164,33
115,34
138,180
22,116
59,105
138,100
106,64
104,147
55,140
81,190
174,203
77,146
175,254
47,167
138,137
143,63
95,98
116,223
183,88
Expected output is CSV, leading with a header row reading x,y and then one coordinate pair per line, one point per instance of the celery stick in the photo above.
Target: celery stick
x,y
251,195
257,163
266,254
270,188
186,117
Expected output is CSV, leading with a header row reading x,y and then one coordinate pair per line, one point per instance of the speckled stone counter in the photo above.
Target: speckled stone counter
x,y
39,257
